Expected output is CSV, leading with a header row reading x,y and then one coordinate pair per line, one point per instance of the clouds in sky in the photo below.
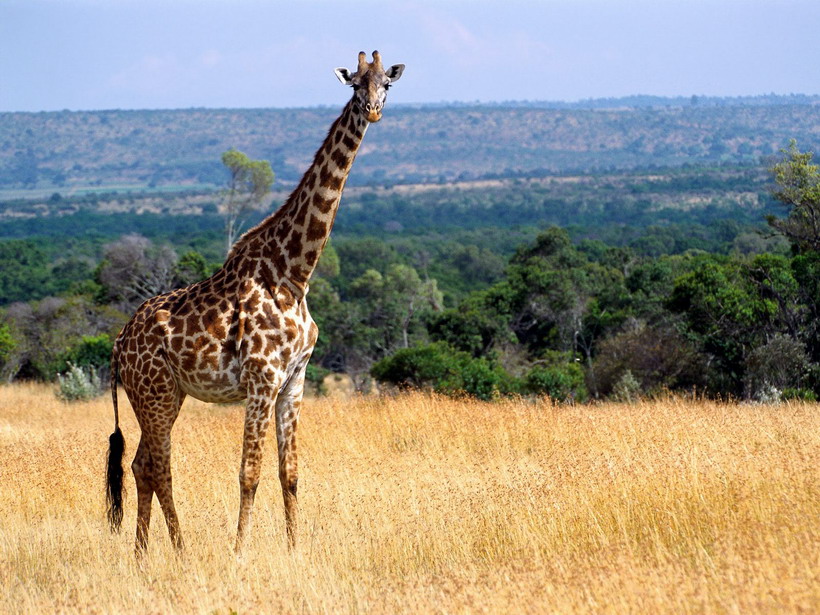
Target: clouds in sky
x,y
94,54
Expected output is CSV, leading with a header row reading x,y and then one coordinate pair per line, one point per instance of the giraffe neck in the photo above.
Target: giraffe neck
x,y
287,244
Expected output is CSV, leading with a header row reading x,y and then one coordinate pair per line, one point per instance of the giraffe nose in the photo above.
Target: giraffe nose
x,y
374,112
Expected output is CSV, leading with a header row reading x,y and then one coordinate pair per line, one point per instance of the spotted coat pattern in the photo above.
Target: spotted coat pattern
x,y
245,332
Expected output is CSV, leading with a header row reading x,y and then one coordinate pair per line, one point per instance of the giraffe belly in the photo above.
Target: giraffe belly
x,y
219,386
219,395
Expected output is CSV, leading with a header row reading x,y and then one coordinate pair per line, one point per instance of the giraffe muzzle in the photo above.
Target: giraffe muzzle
x,y
374,112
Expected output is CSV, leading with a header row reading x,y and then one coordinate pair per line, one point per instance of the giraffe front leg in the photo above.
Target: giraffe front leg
x,y
257,418
288,405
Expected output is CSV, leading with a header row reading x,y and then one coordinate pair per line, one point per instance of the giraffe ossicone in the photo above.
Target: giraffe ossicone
x,y
244,333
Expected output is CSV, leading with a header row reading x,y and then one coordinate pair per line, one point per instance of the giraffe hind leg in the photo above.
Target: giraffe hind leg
x,y
143,475
152,468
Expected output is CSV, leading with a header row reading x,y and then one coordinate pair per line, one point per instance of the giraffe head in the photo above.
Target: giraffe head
x,y
370,83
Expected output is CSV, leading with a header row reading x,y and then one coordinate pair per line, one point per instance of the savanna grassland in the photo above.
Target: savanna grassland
x,y
428,505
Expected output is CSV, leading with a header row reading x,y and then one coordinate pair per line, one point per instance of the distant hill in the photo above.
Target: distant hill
x,y
142,150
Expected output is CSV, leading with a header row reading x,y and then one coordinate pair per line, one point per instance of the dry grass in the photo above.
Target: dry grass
x,y
428,505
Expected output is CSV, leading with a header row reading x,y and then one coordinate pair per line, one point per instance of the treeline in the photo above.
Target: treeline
x,y
554,312
145,149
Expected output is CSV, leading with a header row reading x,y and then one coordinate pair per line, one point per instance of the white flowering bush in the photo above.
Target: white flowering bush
x,y
78,384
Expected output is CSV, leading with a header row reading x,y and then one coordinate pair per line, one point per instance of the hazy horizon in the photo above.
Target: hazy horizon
x,y
87,55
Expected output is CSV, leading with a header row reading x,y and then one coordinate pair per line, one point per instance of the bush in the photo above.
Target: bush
x,y
656,357
799,394
92,351
7,343
782,364
445,370
560,381
78,384
315,375
627,389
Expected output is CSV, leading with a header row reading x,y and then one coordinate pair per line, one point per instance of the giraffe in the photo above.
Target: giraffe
x,y
245,333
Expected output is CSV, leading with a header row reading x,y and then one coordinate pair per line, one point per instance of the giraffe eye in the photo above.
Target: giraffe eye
x,y
386,86
356,87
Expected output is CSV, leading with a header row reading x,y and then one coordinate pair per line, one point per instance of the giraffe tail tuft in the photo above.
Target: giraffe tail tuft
x,y
113,479
116,449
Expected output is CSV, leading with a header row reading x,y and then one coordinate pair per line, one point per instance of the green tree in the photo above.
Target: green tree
x,y
24,273
249,183
798,188
190,268
7,345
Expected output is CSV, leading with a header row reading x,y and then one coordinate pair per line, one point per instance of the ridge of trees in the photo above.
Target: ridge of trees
x,y
149,149
562,314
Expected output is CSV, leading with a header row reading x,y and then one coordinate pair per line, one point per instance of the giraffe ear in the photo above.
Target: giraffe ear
x,y
344,76
394,72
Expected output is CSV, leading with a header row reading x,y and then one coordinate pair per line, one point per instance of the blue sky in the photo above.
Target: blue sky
x,y
148,54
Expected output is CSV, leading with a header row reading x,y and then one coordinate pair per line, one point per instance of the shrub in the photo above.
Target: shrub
x,y
92,351
627,389
656,357
781,364
560,381
78,384
315,375
7,343
799,394
445,370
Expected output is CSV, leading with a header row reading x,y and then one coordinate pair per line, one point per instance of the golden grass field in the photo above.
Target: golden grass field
x,y
420,504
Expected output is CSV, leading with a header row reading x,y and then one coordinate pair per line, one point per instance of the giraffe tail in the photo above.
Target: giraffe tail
x,y
116,449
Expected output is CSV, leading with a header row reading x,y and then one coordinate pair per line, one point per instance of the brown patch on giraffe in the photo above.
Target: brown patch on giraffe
x,y
188,362
282,231
290,329
266,273
272,342
256,343
294,245
316,230
277,259
252,302
311,256
330,181
210,358
284,299
271,318
349,143
340,159
181,306
210,318
298,275
218,331
299,218
323,205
